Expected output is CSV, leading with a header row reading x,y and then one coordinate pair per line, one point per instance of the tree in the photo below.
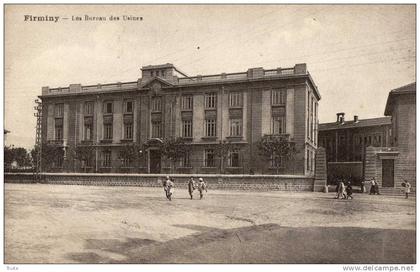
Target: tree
x,y
85,154
275,148
129,153
52,155
221,151
16,154
174,149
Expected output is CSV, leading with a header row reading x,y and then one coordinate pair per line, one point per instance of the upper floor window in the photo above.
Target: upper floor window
x,y
156,129
128,106
128,131
89,108
108,107
58,132
210,101
108,131
59,110
187,102
156,104
187,128
235,99
88,132
279,125
278,97
235,127
210,128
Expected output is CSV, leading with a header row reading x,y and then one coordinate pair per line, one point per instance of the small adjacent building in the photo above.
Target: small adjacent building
x,y
345,144
401,107
204,110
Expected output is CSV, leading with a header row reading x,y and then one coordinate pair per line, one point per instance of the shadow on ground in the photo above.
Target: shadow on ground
x,y
268,243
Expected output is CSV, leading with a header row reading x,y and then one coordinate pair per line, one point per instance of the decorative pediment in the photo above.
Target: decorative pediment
x,y
156,84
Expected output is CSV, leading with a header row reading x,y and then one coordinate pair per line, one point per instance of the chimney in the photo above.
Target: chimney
x,y
340,117
356,119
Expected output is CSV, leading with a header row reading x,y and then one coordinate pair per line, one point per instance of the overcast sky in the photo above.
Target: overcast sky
x,y
356,54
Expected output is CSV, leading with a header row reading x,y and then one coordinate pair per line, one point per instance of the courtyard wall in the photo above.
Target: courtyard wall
x,y
224,182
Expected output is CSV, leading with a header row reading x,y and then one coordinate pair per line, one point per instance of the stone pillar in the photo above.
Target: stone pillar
x,y
370,166
320,170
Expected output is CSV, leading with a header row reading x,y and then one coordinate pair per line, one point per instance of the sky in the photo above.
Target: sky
x,y
356,54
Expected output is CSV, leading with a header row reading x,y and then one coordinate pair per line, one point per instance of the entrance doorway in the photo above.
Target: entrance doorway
x,y
154,161
387,173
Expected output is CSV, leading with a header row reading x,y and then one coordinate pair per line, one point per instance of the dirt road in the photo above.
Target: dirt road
x,y
83,224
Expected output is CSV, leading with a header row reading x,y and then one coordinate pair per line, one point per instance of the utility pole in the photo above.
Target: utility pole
x,y
38,140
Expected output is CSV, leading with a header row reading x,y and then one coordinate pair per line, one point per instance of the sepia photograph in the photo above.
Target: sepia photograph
x,y
210,134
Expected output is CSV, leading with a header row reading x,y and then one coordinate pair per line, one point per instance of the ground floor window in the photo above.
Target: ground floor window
x,y
186,160
209,158
234,158
106,158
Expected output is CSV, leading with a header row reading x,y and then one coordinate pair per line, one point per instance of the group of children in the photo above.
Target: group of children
x,y
344,191
168,187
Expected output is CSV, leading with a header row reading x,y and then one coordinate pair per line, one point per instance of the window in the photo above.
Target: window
x,y
235,99
156,129
235,127
279,125
187,128
209,158
210,101
278,97
186,160
234,158
106,159
187,102
126,162
89,108
88,132
162,73
128,131
108,107
156,104
151,73
58,132
128,107
59,110
210,128
108,131
58,162
276,161
308,159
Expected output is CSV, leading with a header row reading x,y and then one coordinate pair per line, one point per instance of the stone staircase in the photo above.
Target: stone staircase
x,y
396,191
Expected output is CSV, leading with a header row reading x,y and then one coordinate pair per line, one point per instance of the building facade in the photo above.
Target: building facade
x,y
345,144
399,163
205,111
346,141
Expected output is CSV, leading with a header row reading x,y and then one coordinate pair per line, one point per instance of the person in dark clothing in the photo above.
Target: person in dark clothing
x,y
337,187
191,186
349,191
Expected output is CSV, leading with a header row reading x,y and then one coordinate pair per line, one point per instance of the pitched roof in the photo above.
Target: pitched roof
x,y
380,121
406,89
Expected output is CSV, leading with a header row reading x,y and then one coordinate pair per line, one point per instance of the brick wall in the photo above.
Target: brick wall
x,y
224,182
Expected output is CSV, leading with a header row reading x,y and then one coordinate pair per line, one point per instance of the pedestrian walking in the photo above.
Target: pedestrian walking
x,y
342,190
169,188
372,186
191,187
337,189
202,186
362,187
407,188
349,191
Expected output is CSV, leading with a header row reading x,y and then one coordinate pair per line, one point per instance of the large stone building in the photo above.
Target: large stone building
x,y
206,111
